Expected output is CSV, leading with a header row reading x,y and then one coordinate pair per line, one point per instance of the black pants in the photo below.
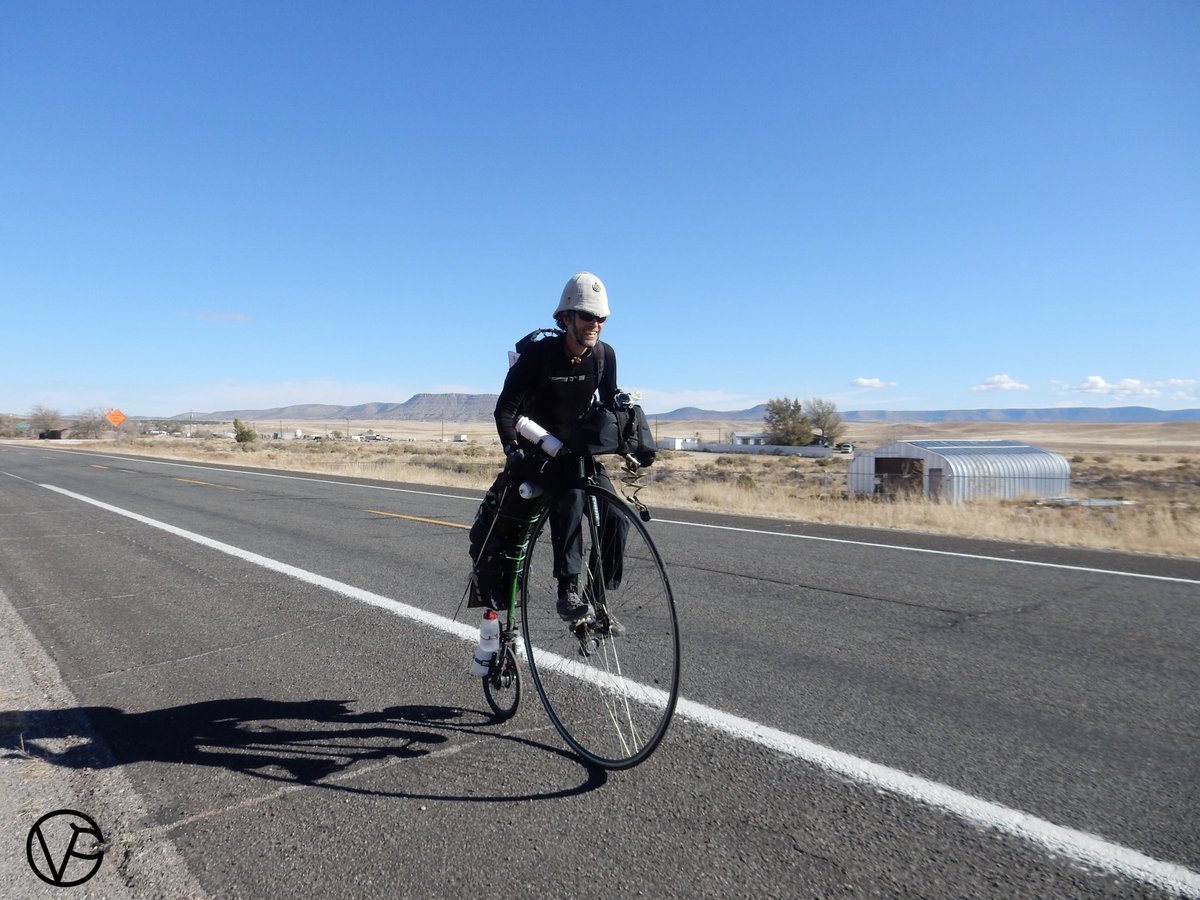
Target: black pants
x,y
566,531
567,511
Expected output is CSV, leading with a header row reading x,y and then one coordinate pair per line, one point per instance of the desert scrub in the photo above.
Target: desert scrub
x,y
459,466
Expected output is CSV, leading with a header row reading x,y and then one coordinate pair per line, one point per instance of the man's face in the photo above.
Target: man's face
x,y
585,328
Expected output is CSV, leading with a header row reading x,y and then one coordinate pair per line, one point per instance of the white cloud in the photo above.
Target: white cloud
x,y
872,383
1129,388
1000,383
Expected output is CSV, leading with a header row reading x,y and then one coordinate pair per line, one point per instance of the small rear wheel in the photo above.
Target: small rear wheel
x,y
502,685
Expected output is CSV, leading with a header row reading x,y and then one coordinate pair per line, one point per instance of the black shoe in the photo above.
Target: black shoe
x,y
573,608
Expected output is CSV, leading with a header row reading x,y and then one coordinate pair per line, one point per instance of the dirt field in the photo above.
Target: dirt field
x,y
1154,467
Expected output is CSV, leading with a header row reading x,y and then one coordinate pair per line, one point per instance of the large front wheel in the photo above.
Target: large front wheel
x,y
609,686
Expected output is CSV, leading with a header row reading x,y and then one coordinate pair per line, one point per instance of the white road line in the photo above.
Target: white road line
x,y
1079,846
1001,559
768,532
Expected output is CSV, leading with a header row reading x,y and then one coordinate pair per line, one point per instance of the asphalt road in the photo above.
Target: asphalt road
x,y
867,713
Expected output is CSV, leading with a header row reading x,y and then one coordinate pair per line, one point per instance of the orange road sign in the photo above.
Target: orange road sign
x,y
116,417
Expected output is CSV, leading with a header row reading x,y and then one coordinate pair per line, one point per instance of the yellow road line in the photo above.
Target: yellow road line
x,y
417,519
209,484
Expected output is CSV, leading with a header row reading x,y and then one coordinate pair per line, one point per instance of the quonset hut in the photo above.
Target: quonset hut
x,y
962,470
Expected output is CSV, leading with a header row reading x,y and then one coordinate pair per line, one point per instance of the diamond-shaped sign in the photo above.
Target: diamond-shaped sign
x,y
116,417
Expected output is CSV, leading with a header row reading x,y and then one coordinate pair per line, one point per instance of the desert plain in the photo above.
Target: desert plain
x,y
1153,469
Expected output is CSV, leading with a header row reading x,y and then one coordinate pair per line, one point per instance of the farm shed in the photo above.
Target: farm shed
x,y
960,470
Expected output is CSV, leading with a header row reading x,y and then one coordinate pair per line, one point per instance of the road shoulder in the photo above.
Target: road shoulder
x,y
134,864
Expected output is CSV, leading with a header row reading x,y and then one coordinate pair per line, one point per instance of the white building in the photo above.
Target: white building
x,y
761,449
749,439
960,470
678,443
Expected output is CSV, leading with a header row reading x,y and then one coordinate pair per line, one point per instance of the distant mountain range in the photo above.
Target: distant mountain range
x,y
479,407
417,408
1082,414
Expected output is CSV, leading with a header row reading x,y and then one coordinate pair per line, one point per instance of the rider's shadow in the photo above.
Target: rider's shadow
x,y
301,742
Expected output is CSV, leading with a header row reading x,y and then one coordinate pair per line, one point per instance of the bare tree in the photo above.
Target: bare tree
x,y
43,419
8,426
90,423
825,418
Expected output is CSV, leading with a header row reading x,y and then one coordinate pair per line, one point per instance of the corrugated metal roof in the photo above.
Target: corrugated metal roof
x,y
942,446
969,468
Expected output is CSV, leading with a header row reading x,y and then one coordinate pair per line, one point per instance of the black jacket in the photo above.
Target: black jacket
x,y
544,385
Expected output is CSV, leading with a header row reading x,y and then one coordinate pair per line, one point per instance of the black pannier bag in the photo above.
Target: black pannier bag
x,y
622,431
499,537
637,438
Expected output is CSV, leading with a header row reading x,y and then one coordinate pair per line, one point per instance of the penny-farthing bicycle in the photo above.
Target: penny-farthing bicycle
x,y
609,684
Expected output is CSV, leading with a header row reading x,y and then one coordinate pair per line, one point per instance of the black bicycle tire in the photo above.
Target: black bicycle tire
x,y
614,502
503,712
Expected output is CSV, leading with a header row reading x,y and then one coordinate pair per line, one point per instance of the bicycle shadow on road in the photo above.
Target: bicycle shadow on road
x,y
318,743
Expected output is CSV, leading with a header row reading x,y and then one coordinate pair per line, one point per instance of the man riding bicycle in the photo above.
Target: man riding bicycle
x,y
553,382
609,687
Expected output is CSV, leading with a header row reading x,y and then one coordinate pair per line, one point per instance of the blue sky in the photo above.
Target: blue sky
x,y
899,205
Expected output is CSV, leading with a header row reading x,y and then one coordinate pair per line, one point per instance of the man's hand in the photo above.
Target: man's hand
x,y
515,456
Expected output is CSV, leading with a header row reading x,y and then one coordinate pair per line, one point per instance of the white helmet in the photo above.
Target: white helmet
x,y
584,293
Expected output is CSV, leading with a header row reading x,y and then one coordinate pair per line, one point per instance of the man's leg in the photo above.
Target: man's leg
x,y
566,537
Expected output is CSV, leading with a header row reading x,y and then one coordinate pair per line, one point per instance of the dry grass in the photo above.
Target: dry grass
x,y
1156,466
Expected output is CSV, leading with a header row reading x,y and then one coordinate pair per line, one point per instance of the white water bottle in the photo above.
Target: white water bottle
x,y
538,436
489,643
530,491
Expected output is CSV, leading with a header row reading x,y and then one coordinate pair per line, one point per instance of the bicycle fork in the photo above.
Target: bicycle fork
x,y
591,634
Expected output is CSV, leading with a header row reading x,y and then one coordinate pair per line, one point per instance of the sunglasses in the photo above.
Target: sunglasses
x,y
588,317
